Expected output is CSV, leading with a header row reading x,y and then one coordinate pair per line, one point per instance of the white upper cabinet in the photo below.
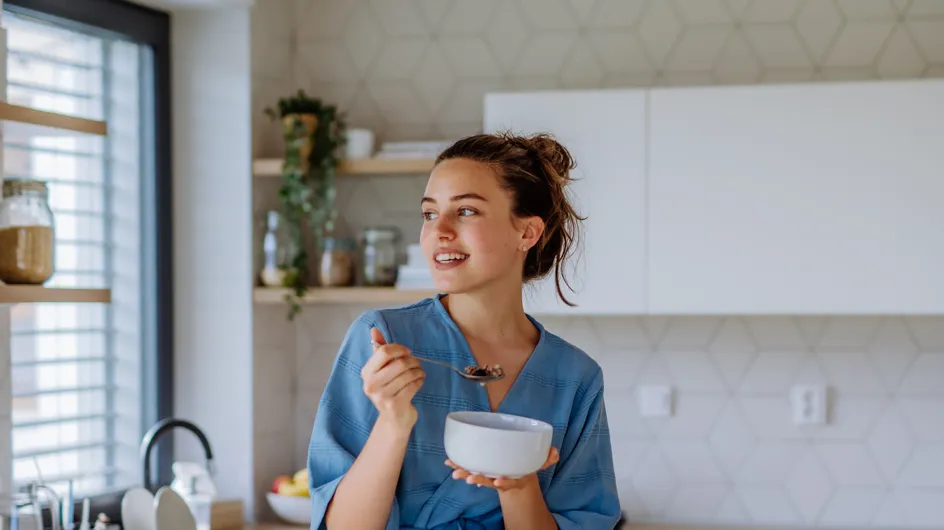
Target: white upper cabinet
x,y
605,132
815,199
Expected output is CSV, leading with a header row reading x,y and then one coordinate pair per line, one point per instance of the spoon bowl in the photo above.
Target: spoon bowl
x,y
481,375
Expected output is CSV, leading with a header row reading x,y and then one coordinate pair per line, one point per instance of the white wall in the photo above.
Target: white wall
x,y
212,241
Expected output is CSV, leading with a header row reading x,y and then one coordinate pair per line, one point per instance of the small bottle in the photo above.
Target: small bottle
x,y
200,505
278,252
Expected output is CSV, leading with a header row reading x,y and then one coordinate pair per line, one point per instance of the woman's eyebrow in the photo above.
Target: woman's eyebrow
x,y
459,197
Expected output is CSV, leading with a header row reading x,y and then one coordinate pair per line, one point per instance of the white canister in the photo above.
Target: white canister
x,y
360,143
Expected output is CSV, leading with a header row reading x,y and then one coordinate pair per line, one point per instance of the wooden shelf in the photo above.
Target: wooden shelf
x,y
272,167
346,295
392,166
27,121
24,294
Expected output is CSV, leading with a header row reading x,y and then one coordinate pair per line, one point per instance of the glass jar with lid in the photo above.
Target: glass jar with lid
x,y
337,262
380,255
27,233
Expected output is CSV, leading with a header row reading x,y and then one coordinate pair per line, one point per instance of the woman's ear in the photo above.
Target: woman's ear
x,y
533,228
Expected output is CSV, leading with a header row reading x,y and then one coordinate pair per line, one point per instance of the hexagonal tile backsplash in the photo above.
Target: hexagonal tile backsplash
x,y
417,69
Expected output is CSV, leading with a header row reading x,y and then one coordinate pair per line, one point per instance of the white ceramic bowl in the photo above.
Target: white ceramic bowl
x,y
292,509
495,444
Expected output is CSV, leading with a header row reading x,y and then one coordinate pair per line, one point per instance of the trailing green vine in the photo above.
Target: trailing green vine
x,y
314,133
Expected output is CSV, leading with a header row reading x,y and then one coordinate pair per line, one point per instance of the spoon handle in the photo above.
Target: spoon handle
x,y
440,363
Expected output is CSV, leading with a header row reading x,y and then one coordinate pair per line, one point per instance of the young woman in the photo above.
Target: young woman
x,y
495,215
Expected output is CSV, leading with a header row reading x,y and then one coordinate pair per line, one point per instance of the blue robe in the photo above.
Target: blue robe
x,y
560,385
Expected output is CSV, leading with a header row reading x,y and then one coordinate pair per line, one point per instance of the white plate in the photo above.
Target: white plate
x,y
137,510
172,512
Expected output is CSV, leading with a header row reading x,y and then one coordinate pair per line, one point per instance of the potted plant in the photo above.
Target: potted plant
x,y
314,133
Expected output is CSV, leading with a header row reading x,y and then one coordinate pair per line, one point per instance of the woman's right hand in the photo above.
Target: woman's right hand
x,y
392,376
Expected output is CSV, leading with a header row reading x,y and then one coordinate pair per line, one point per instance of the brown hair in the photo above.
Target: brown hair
x,y
535,170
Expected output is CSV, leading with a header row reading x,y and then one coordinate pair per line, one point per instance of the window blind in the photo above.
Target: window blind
x,y
76,368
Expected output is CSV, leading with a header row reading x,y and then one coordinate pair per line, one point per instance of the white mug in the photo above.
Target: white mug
x,y
360,143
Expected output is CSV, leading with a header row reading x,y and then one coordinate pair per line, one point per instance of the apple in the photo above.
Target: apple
x,y
293,489
279,481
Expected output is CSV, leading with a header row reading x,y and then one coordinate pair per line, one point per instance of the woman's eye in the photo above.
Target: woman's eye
x,y
466,211
429,216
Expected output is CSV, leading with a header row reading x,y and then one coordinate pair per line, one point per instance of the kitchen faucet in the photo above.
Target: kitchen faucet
x,y
161,427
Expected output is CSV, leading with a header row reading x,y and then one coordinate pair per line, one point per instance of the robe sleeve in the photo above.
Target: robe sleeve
x,y
344,420
582,494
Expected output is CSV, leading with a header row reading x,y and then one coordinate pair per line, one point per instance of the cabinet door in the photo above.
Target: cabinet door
x,y
605,132
815,198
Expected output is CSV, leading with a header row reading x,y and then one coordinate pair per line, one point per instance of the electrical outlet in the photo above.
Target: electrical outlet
x,y
809,404
655,401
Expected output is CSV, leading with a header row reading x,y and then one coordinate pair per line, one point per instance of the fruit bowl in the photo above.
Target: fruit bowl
x,y
495,444
291,509
290,498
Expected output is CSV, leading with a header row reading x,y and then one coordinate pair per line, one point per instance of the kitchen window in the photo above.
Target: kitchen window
x,y
89,379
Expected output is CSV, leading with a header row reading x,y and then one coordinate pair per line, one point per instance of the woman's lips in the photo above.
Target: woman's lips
x,y
449,259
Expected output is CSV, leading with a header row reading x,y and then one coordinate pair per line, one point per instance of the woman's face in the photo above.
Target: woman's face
x,y
470,237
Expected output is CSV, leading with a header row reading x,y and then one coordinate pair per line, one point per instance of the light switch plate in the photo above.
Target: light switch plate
x,y
809,404
655,401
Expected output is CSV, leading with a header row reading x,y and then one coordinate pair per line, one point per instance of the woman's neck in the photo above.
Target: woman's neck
x,y
492,314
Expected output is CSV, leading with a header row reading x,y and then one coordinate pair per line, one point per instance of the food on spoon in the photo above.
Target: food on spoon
x,y
484,371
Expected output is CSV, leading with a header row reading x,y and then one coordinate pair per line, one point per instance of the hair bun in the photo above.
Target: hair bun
x,y
555,156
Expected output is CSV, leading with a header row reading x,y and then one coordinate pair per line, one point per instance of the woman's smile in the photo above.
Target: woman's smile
x,y
449,259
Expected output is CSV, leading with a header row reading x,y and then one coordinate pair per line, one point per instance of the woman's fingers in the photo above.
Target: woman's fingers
x,y
393,369
390,384
404,382
386,364
479,480
553,457
460,474
383,353
505,483
411,387
502,483
377,338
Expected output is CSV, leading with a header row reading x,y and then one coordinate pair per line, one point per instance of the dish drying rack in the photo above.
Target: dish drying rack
x,y
61,509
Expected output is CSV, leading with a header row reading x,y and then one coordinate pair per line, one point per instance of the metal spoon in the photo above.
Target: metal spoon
x,y
494,374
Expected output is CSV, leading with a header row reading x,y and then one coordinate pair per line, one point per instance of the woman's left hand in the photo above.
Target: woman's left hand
x,y
501,484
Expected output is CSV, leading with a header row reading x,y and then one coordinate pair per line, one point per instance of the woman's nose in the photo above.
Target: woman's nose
x,y
444,229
